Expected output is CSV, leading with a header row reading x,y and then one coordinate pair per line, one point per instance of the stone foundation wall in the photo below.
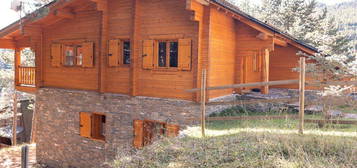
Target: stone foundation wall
x,y
59,143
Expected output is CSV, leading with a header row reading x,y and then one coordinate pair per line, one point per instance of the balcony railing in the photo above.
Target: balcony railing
x,y
27,76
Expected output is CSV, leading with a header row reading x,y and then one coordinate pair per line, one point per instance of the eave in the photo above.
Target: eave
x,y
263,27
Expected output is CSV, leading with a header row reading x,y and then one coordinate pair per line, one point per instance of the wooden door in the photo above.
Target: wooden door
x,y
252,67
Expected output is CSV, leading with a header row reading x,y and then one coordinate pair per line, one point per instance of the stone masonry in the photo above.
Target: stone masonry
x,y
59,143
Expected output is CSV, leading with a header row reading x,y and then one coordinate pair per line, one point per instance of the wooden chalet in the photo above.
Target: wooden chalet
x,y
150,48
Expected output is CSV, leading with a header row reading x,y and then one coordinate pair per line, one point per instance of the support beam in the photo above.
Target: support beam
x,y
135,38
280,42
203,2
102,5
265,70
17,64
262,36
14,122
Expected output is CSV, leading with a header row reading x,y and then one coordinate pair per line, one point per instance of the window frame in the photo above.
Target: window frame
x,y
75,57
168,55
122,62
92,136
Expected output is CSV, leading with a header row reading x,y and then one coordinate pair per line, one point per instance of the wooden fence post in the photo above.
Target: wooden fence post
x,y
24,156
14,120
302,95
203,102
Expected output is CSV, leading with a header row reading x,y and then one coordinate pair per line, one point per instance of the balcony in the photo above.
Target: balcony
x,y
25,79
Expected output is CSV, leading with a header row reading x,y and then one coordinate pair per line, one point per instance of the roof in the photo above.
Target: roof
x,y
222,3
236,10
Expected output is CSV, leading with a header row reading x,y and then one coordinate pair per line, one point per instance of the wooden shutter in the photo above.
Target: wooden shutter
x,y
138,133
88,54
148,53
114,53
172,130
184,54
85,124
56,55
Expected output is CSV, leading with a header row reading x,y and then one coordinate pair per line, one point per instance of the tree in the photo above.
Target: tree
x,y
307,22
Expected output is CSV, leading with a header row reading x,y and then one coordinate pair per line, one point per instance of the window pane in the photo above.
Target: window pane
x,y
69,55
162,54
126,52
173,54
79,55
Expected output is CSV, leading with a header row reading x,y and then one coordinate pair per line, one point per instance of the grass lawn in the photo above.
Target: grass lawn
x,y
250,143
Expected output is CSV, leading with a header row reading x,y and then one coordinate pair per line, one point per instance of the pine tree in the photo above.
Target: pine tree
x,y
304,20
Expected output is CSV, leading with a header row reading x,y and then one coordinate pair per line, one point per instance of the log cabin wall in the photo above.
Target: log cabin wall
x,y
249,46
155,20
283,60
222,52
117,79
166,20
85,26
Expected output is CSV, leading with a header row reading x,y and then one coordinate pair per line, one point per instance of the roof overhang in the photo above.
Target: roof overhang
x,y
280,37
51,13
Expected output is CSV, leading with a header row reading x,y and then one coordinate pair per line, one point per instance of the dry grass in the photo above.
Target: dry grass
x,y
246,150
11,157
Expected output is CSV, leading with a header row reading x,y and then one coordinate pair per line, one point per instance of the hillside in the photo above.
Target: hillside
x,y
346,15
246,150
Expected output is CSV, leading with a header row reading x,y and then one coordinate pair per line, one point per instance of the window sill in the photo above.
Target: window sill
x,y
96,139
120,66
167,70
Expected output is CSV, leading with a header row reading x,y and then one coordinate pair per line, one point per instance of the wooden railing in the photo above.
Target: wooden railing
x,y
27,75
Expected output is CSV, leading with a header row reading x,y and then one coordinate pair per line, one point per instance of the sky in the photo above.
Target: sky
x,y
8,16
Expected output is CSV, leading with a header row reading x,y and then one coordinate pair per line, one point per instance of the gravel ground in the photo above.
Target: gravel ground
x,y
11,157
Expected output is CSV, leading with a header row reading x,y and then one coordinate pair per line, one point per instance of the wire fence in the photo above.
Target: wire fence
x,y
331,108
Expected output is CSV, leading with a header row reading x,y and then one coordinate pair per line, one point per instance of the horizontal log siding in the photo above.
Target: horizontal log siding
x,y
165,19
120,27
222,52
85,26
247,44
282,61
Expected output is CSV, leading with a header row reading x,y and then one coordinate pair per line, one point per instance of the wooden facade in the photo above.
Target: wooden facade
x,y
79,44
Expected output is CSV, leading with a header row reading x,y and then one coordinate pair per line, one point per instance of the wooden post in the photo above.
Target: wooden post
x,y
33,126
203,102
17,64
265,70
24,157
302,95
14,121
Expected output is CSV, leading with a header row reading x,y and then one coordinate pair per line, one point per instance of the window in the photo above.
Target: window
x,y
92,125
167,54
148,131
80,54
73,55
119,52
126,52
158,54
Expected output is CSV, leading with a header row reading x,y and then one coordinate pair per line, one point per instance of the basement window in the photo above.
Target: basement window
x,y
168,54
92,125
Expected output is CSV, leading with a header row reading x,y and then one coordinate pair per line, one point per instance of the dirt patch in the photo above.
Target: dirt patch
x,y
11,157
